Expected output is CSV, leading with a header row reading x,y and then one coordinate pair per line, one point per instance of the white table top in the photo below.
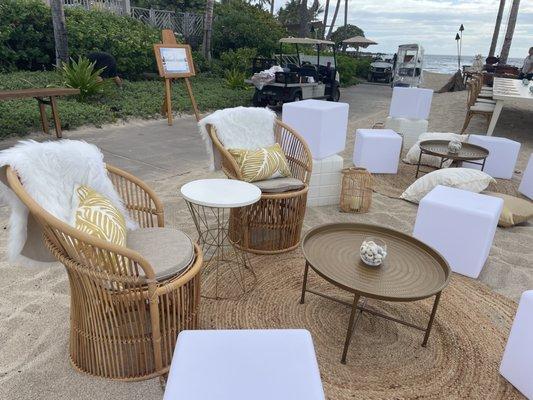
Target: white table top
x,y
274,364
505,88
221,193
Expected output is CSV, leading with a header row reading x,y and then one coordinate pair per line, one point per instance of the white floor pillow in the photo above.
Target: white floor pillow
x,y
414,152
460,178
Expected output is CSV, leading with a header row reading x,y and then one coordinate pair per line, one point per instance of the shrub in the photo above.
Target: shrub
x,y
82,75
347,68
26,36
239,24
240,59
200,63
235,79
363,67
128,40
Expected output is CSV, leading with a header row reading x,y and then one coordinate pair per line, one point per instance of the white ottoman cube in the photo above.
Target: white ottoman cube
x,y
503,154
517,362
244,365
377,150
413,103
322,124
526,184
325,182
410,129
460,225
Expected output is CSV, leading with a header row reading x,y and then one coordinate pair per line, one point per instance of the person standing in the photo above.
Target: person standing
x,y
527,69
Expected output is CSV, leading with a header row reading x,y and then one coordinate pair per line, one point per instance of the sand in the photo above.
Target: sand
x,y
34,303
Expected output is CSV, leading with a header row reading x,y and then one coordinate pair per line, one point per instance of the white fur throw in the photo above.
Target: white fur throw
x,y
247,128
49,172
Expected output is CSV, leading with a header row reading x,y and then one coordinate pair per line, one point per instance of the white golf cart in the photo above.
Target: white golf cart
x,y
409,63
299,76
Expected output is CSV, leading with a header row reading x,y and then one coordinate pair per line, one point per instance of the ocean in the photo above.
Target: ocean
x,y
448,64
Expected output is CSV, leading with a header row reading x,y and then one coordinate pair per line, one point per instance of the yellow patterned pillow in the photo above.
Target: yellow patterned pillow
x,y
96,215
261,164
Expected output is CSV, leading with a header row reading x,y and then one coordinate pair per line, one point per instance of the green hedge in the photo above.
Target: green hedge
x,y
27,40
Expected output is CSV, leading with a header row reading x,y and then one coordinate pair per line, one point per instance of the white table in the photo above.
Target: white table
x,y
505,89
276,364
210,202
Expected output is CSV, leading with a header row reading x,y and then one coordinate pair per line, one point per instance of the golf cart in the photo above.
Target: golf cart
x,y
409,63
380,69
294,77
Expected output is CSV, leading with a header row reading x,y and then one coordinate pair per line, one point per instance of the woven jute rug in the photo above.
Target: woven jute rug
x,y
393,185
385,359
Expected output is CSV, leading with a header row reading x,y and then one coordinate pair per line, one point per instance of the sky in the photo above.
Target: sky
x,y
434,23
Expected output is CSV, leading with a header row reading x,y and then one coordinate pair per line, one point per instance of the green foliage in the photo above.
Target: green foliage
x,y
26,36
239,24
139,99
82,75
289,15
239,60
235,79
363,67
347,68
128,40
200,63
346,32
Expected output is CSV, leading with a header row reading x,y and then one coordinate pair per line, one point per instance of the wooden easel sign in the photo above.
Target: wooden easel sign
x,y
174,61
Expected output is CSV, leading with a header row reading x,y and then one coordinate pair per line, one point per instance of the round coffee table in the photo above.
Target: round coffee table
x,y
209,201
472,153
412,270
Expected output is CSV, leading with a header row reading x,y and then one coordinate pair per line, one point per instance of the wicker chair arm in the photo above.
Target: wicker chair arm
x,y
296,151
140,200
229,165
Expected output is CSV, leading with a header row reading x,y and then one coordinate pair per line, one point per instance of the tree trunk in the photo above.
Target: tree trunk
x,y
330,30
272,7
496,33
325,21
510,31
208,30
303,27
345,12
60,31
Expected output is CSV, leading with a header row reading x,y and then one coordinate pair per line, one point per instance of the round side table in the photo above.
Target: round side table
x,y
209,202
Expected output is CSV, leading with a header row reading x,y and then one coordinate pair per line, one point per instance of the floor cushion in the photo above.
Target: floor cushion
x,y
279,185
515,210
460,178
168,250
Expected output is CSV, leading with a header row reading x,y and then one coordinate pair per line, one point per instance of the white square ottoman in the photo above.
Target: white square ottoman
x,y
410,129
377,150
244,365
460,225
323,125
517,362
526,184
325,182
413,103
503,154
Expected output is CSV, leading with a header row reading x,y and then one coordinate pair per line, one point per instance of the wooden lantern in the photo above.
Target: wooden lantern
x,y
356,190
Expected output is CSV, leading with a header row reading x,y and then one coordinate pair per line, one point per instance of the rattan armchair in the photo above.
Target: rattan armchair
x,y
124,322
274,223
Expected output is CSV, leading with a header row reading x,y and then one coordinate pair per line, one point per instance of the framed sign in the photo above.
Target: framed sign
x,y
174,60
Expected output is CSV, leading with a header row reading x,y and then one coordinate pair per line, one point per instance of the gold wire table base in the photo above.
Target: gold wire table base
x,y
225,262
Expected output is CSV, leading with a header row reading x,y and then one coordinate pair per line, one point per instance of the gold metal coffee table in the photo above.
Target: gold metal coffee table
x,y
412,270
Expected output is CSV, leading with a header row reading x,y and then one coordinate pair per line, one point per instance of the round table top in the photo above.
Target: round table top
x,y
411,271
221,193
468,151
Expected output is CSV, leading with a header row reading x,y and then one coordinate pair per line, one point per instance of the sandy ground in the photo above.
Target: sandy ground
x,y
34,303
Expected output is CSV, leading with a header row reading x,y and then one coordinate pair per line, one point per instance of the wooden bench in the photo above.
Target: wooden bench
x,y
44,96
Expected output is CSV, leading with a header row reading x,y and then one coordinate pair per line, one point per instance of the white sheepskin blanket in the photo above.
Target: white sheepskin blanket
x,y
49,172
247,128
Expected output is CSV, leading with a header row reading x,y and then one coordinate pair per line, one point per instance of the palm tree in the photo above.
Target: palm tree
x,y
325,21
208,29
303,27
334,19
496,33
510,31
60,31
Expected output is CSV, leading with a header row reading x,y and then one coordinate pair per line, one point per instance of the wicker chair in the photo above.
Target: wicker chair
x,y
124,322
274,223
476,106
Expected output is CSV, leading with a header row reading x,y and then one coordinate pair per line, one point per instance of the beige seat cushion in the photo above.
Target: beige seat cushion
x,y
168,250
515,210
279,185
